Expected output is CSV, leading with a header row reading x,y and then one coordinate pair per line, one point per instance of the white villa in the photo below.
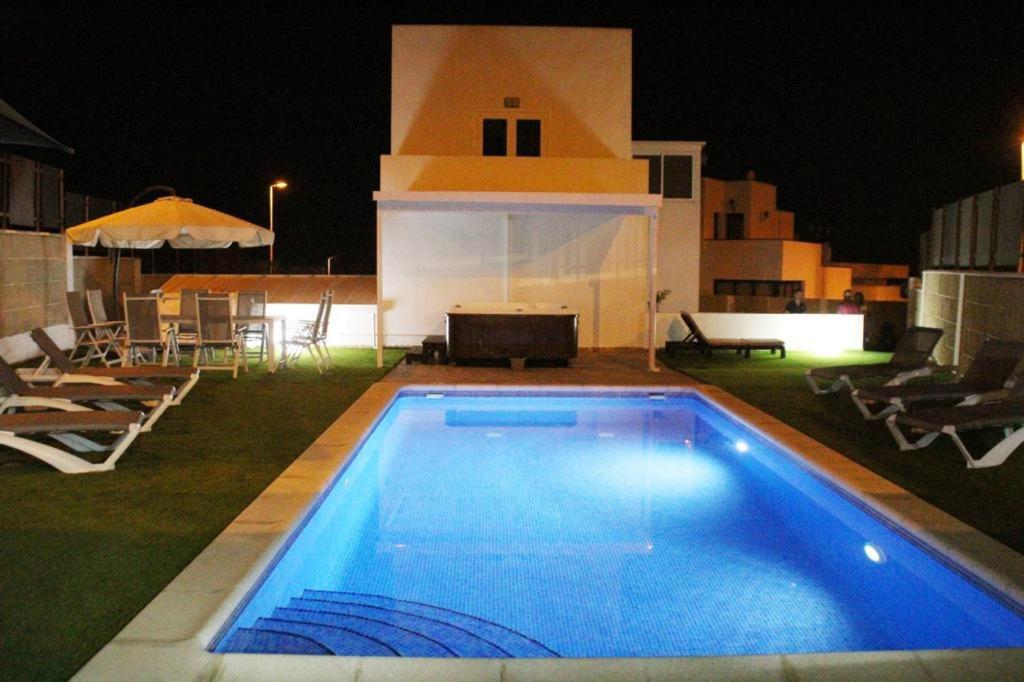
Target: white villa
x,y
513,177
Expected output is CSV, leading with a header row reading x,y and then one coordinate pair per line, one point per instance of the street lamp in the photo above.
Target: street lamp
x,y
280,184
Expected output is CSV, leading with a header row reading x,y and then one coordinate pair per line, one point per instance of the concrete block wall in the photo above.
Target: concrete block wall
x,y
33,279
97,272
970,307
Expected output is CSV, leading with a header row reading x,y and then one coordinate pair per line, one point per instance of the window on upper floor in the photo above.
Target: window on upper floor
x,y
495,137
527,137
653,173
757,287
678,177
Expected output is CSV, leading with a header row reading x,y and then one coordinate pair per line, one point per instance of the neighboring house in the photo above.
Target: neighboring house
x,y
749,250
511,177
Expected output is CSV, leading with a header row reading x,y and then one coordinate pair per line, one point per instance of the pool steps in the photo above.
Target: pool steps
x,y
354,624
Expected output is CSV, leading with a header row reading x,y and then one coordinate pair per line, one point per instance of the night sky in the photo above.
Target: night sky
x,y
865,119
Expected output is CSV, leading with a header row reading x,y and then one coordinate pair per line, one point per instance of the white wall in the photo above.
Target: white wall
x,y
817,333
349,325
596,264
679,254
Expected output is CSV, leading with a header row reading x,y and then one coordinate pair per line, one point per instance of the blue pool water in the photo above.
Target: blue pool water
x,y
490,525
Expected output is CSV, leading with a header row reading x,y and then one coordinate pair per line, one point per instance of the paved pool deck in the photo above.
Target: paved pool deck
x,y
167,640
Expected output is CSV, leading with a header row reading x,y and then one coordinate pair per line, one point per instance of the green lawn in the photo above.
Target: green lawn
x,y
81,555
988,499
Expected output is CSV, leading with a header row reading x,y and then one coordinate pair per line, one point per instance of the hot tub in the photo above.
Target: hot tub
x,y
487,331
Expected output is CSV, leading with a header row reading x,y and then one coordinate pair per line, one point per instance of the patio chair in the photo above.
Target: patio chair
x,y
145,332
253,304
910,360
156,399
1006,414
707,346
217,332
187,310
994,369
92,340
110,376
66,428
312,335
114,329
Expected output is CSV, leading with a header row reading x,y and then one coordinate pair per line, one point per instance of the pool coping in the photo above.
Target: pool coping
x,y
168,638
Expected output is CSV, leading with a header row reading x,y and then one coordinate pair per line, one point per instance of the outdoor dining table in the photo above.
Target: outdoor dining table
x,y
269,320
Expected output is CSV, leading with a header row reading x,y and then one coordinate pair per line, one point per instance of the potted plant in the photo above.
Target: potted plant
x,y
661,296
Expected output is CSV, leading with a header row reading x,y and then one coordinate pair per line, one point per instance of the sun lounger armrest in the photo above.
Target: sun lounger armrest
x,y
904,377
986,397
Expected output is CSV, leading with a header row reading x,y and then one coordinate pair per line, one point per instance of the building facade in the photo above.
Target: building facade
x,y
511,178
749,254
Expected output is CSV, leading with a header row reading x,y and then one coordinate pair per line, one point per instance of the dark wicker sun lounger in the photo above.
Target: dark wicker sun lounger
x,y
697,339
70,374
994,369
1005,414
66,427
20,394
908,361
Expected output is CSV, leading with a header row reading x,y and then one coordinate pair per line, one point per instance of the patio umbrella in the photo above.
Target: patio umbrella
x,y
173,220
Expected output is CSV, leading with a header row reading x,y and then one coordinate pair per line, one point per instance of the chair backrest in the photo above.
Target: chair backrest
x,y
10,380
188,302
252,303
915,347
216,324
52,351
76,309
97,311
995,364
142,319
694,329
327,301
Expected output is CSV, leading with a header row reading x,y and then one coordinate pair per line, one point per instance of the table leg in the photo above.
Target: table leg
x,y
271,350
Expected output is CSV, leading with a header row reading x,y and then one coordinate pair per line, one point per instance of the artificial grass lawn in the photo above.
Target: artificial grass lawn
x,y
988,499
81,555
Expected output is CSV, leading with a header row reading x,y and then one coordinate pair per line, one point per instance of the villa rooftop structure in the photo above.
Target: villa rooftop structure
x,y
513,180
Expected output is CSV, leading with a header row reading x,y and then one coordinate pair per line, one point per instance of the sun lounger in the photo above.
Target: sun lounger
x,y
704,345
68,398
66,428
111,376
1005,414
908,361
994,369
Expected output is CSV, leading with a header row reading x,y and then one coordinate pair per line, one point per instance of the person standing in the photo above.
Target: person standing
x,y
849,305
796,304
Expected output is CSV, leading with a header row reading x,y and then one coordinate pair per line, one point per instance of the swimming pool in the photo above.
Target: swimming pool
x,y
616,525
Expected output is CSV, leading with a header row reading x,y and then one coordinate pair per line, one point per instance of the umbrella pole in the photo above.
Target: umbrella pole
x,y
117,268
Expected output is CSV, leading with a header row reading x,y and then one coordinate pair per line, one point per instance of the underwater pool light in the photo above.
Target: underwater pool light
x,y
875,554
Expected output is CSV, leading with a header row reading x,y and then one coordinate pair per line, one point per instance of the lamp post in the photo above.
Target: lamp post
x,y
280,184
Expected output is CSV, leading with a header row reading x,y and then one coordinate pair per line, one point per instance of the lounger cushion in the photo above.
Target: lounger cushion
x,y
1003,413
882,369
91,392
44,422
143,372
920,392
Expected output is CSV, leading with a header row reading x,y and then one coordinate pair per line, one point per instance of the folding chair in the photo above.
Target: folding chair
x,y
217,332
144,331
312,334
253,304
113,329
91,340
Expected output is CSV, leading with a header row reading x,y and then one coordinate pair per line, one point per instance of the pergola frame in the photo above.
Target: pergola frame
x,y
647,205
